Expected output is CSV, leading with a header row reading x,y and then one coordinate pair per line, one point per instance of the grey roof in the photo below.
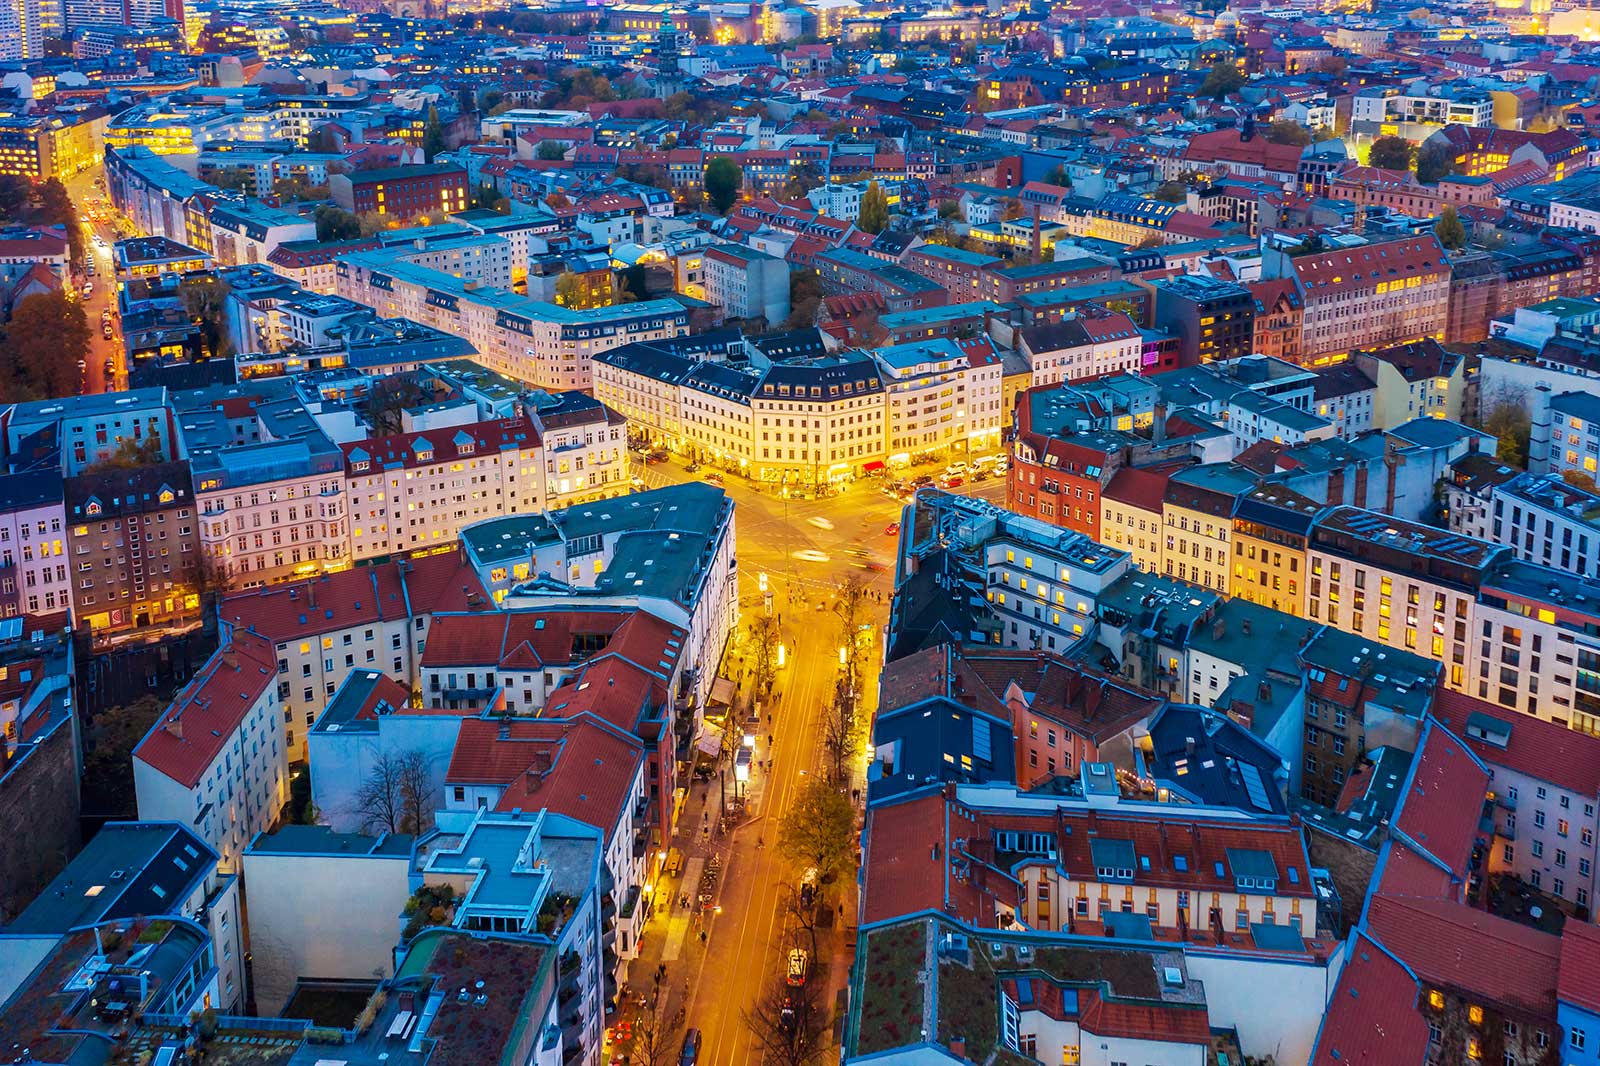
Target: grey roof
x,y
128,869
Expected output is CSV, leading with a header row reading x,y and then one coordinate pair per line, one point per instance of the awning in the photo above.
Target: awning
x,y
872,467
722,692
710,742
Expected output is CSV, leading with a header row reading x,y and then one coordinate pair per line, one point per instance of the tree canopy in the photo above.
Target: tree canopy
x,y
819,829
1391,153
1223,78
47,336
723,179
1451,233
874,209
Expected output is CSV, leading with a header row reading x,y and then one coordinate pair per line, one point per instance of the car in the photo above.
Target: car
x,y
820,522
714,478
808,894
892,529
638,484
691,1048
82,365
956,469
109,366
88,288
799,968
1000,466
105,331
951,481
691,468
921,481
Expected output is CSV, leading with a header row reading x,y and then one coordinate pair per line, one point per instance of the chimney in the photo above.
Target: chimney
x,y
1218,628
1038,238
311,593
174,725
535,779
1188,745
1244,626
505,729
1158,424
958,1046
542,762
229,659
1264,693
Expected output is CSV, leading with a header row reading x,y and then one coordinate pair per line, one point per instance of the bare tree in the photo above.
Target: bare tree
x,y
764,636
840,721
787,1022
378,804
654,1041
415,786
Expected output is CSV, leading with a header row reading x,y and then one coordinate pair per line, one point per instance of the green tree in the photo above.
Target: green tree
x,y
206,300
1391,153
1058,176
569,289
1451,233
56,209
1287,131
550,150
802,179
486,195
336,224
1506,417
1172,192
46,338
874,209
109,739
15,192
432,135
1435,160
1223,78
949,209
722,182
819,830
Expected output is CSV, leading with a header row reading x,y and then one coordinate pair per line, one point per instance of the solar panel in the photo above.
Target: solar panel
x,y
982,751
1254,787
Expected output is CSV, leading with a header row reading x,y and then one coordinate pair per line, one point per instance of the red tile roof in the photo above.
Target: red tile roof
x,y
1442,804
1372,1017
1564,757
1450,945
556,636
203,718
1144,489
1363,267
1167,1023
907,859
592,779
1578,981
446,444
401,588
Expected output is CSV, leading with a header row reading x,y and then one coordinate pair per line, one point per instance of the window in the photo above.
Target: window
x,y
1577,1038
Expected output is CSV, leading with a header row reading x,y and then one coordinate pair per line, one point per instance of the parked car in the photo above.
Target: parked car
x,y
714,478
799,968
691,468
691,1048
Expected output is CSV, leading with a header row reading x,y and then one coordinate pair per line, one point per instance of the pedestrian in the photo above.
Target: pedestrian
x,y
702,936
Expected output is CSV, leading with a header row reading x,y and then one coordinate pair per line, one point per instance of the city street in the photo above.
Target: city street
x,y
805,562
82,189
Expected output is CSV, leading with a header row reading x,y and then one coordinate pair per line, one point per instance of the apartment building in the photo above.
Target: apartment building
x,y
214,760
1214,319
420,192
539,343
1093,343
1400,583
1360,696
322,629
940,394
34,553
1544,786
248,231
134,538
1572,439
824,419
747,283
1198,523
1179,872
585,446
1371,295
1416,380
91,429
268,483
1543,519
1271,528
1535,645
668,551
416,490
